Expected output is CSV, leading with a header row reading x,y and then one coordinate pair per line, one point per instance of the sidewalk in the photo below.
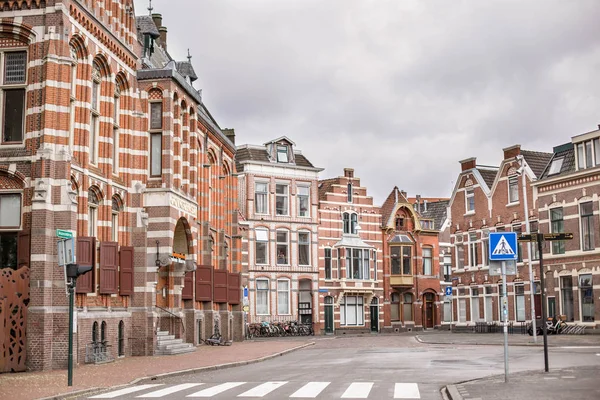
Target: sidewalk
x,y
53,384
559,384
517,339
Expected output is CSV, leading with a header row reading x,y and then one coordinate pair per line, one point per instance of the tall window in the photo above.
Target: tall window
x,y
597,150
587,297
470,200
282,154
566,292
116,124
95,113
10,210
520,302
262,297
406,260
262,246
303,201
116,208
517,229
533,229
557,226
427,261
93,203
303,248
261,197
407,307
282,247
395,307
580,156
349,188
283,297
374,264
395,259
513,189
156,139
282,199
352,311
327,263
73,95
350,223
485,249
475,313
586,211
473,249
460,255
12,96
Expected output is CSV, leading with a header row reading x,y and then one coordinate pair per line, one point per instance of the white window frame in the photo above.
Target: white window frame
x,y
556,166
267,297
287,291
261,235
430,258
116,128
285,196
488,295
359,310
20,195
513,189
155,132
95,100
516,305
591,217
304,243
13,86
261,193
283,151
302,196
287,246
93,218
469,194
473,249
475,317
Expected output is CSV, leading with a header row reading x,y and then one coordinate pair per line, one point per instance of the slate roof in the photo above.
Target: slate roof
x,y
537,161
437,211
261,155
488,174
145,25
185,68
567,151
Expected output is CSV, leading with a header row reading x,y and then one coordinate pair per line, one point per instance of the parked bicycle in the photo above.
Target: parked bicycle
x,y
278,329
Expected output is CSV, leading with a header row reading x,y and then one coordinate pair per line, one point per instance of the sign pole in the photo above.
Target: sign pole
x,y
71,301
540,239
505,320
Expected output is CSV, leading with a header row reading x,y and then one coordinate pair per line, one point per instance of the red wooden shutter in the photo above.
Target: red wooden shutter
x,y
109,277
234,286
24,249
86,256
188,286
204,282
220,286
126,271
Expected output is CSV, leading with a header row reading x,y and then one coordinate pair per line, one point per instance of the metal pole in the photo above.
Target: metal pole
x,y
505,320
540,239
529,258
71,301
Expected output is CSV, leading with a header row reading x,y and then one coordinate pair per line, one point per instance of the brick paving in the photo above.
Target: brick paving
x,y
36,385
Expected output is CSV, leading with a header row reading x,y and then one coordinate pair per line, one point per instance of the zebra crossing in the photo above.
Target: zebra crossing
x,y
309,390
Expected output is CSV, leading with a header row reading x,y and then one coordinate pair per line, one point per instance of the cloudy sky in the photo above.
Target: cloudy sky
x,y
398,90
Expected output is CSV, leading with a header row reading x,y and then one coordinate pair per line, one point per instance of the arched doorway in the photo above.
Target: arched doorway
x,y
428,313
328,315
374,314
305,301
173,266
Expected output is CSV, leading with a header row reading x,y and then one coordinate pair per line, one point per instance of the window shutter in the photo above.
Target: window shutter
x,y
126,271
109,279
24,249
188,286
220,286
204,282
86,251
234,285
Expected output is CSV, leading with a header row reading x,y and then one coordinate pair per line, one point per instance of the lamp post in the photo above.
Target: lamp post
x,y
523,164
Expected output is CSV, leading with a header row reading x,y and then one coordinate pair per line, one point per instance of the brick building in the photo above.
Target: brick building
x,y
410,255
350,258
490,199
278,198
567,201
104,135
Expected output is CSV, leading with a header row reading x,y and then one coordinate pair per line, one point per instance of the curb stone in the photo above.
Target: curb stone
x,y
87,391
453,393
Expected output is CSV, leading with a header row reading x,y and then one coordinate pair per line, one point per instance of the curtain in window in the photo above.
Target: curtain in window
x,y
303,248
283,297
262,297
427,261
261,198
462,310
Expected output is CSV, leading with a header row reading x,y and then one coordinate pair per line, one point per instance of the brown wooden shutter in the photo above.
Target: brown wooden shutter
x,y
126,271
86,256
220,286
24,249
109,277
234,286
204,282
188,286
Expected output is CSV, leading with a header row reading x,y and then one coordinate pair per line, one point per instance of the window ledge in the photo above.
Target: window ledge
x,y
517,203
12,145
469,213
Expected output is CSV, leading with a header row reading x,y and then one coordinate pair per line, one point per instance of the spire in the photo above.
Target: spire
x,y
150,7
189,56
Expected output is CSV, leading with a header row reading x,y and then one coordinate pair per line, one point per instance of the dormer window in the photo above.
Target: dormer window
x,y
556,166
282,154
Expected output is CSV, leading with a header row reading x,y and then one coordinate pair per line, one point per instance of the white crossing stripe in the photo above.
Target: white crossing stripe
x,y
215,390
406,391
170,390
121,392
262,390
310,390
358,390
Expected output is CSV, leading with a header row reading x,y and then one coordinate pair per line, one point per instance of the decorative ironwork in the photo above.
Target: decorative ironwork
x,y
14,298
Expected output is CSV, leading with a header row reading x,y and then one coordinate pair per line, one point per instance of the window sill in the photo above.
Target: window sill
x,y
469,213
513,204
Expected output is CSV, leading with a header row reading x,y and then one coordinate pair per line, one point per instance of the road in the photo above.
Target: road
x,y
377,367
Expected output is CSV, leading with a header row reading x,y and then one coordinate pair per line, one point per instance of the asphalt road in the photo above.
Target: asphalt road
x,y
377,367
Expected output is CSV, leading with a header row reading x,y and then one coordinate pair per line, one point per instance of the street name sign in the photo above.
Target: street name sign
x,y
532,237
64,234
503,246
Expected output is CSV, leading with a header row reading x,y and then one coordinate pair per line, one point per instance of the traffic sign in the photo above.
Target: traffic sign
x,y
64,234
532,237
503,246
448,291
246,308
496,267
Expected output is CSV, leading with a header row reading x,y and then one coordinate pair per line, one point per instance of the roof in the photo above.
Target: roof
x,y
326,186
351,241
248,153
537,161
567,152
145,25
437,211
488,174
185,68
401,239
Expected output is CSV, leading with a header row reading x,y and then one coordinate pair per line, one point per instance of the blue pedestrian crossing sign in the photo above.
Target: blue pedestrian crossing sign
x,y
503,246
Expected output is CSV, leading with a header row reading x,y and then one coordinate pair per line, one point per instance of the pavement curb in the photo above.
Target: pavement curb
x,y
84,392
483,344
453,393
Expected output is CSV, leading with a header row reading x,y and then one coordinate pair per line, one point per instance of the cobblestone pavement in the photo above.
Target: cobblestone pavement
x,y
444,337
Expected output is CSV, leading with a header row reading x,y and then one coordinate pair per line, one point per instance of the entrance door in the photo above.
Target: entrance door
x,y
328,314
374,315
428,310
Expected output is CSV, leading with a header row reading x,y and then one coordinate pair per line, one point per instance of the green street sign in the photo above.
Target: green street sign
x,y
64,234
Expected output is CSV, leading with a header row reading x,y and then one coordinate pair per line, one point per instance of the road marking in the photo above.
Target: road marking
x,y
310,390
579,347
568,377
170,390
121,392
358,390
262,390
215,390
406,391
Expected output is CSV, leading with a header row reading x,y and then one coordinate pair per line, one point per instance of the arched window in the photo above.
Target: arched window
x,y
13,84
350,193
73,97
103,332
93,203
350,223
115,210
95,332
95,113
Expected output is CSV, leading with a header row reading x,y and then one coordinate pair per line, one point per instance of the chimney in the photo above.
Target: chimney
x,y
157,18
349,172
468,163
512,151
424,205
230,133
418,197
163,36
